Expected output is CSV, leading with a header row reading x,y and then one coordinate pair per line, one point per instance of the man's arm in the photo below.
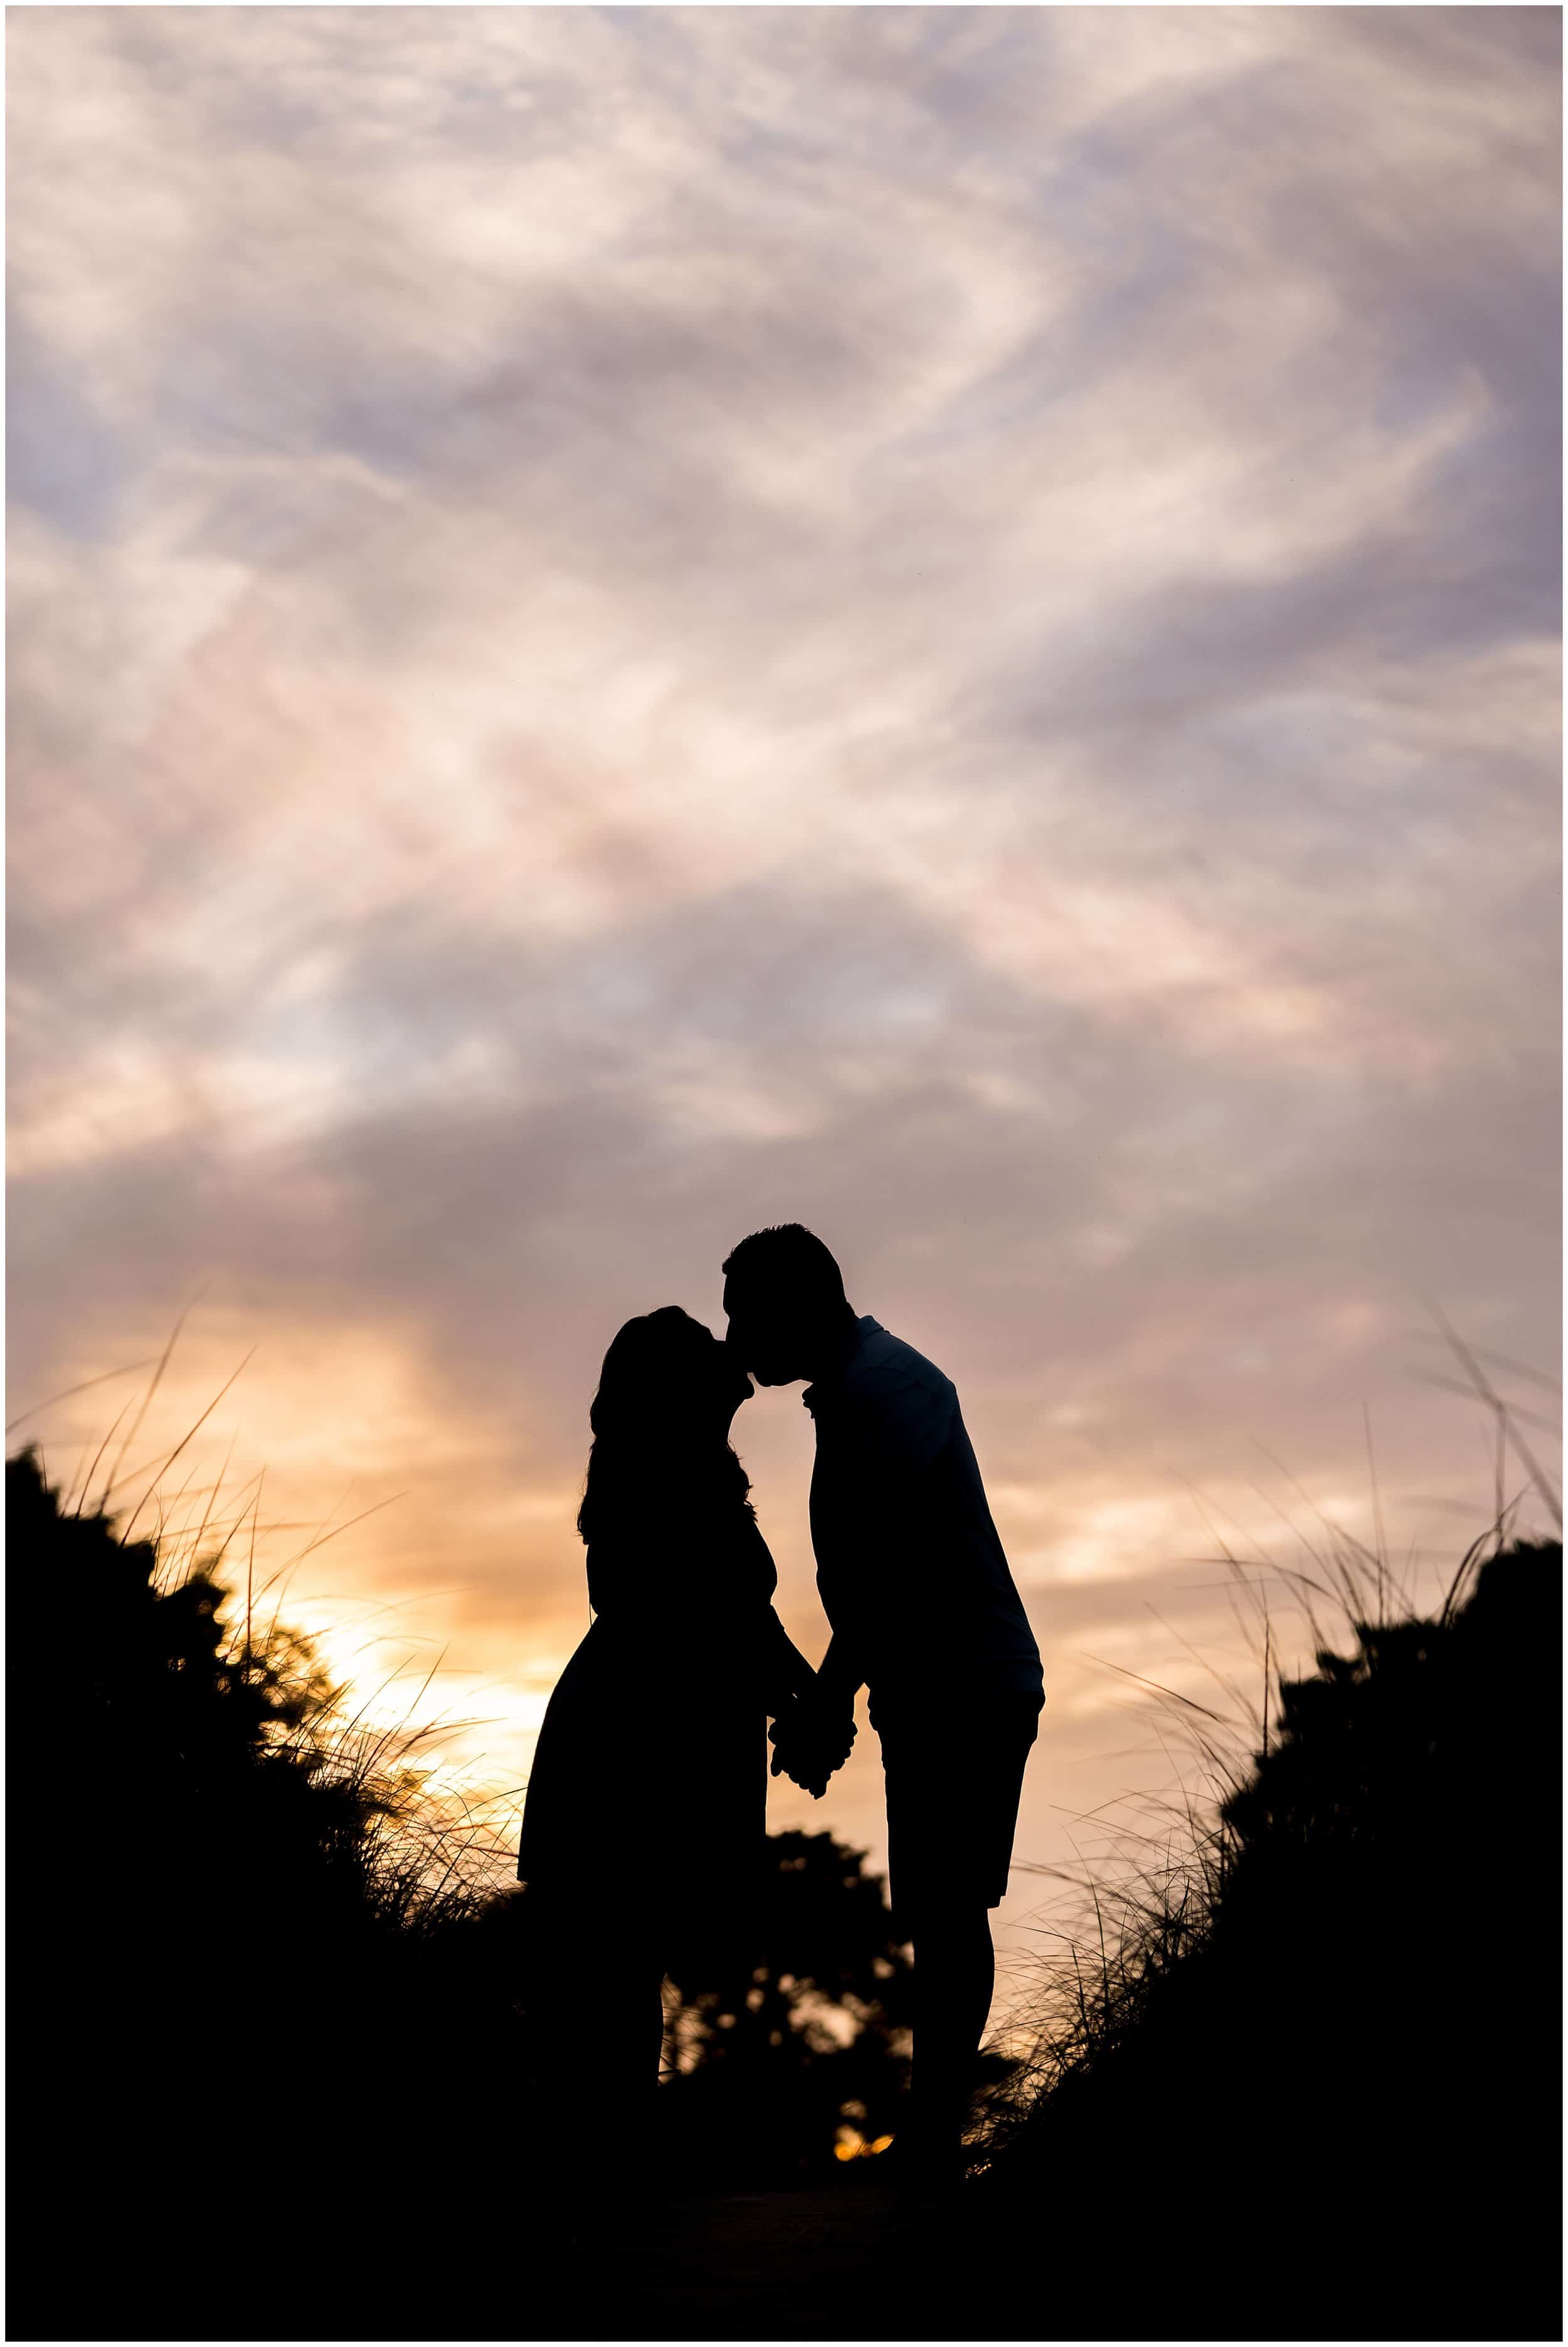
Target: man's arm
x,y
885,1446
841,1677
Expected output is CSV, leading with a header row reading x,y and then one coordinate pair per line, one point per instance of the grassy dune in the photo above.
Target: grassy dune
x,y
1302,2078
1297,2077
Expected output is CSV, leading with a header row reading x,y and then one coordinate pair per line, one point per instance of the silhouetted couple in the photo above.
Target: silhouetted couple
x,y
647,1805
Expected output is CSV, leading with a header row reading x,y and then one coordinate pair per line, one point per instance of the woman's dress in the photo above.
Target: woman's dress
x,y
648,1795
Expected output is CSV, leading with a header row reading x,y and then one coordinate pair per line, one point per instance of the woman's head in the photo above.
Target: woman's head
x,y
667,1392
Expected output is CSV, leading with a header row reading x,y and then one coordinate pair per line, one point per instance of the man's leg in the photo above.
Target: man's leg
x,y
955,1974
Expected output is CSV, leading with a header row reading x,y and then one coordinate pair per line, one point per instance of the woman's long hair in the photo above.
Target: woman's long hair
x,y
654,1432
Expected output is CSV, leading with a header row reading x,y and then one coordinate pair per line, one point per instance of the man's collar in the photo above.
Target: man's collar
x,y
823,1388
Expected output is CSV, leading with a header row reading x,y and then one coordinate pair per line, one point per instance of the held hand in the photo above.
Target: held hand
x,y
810,1741
797,1773
831,1722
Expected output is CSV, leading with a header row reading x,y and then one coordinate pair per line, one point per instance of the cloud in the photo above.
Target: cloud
x,y
630,623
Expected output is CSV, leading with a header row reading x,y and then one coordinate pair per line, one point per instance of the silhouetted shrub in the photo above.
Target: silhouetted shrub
x,y
790,2046
1322,2048
227,1973
258,1977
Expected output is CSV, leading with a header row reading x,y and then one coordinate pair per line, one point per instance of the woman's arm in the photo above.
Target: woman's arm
x,y
787,1675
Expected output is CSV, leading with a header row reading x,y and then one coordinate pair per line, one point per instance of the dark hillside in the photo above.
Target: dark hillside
x,y
1329,2107
268,2064
223,2017
268,2075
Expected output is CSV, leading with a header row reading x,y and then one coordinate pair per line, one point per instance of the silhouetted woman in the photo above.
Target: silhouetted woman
x,y
647,1801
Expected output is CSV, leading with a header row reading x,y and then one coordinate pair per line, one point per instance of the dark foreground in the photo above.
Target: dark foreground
x,y
253,2097
849,2259
864,2264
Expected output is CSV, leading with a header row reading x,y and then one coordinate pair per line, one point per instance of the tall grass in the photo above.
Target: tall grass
x,y
254,1953
1294,2067
425,1854
1128,1919
1233,2041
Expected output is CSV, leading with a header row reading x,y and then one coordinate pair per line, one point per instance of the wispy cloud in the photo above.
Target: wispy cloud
x,y
630,623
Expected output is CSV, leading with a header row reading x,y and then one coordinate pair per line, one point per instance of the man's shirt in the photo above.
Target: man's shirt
x,y
908,1563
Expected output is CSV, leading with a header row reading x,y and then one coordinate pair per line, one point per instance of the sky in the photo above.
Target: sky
x,y
630,623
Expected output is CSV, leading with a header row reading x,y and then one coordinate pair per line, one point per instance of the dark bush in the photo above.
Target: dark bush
x,y
1323,2101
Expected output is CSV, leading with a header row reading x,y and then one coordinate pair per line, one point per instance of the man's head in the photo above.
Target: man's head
x,y
784,1295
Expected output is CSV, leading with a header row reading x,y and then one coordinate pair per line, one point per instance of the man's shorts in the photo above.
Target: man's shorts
x,y
954,1777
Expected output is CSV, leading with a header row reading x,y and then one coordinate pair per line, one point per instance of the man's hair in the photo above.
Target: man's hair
x,y
788,1254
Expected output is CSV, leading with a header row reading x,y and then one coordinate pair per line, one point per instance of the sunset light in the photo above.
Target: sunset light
x,y
629,625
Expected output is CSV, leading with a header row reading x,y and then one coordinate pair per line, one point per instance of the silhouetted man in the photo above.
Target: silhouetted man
x,y
924,1611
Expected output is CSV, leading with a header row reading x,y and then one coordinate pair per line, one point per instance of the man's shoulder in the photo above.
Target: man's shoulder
x,y
885,1361
894,1400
